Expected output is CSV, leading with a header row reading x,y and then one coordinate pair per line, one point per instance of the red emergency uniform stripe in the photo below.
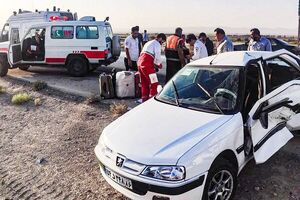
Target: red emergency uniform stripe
x,y
55,60
94,54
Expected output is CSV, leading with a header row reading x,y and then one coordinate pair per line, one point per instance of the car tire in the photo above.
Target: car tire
x,y
24,67
77,66
221,180
3,67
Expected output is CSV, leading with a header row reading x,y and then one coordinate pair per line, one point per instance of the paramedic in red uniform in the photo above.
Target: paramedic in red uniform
x,y
150,57
175,54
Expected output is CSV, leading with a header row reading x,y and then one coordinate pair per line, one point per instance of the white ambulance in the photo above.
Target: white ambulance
x,y
81,45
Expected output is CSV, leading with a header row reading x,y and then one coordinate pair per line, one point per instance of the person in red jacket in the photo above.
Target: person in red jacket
x,y
149,59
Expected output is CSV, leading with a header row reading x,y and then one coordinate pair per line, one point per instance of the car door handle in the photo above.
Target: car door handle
x,y
94,48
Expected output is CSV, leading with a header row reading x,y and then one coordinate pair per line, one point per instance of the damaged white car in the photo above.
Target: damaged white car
x,y
192,140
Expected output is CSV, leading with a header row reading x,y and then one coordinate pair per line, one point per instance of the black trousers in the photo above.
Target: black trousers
x,y
133,67
172,68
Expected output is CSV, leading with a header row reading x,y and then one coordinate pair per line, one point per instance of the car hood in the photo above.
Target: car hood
x,y
156,133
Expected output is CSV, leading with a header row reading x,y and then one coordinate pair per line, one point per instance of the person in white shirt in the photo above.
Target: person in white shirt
x,y
224,43
132,50
200,50
149,59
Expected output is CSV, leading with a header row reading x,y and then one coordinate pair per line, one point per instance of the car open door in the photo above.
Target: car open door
x,y
15,49
271,118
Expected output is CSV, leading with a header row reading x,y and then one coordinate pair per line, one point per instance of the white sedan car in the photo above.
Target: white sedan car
x,y
192,140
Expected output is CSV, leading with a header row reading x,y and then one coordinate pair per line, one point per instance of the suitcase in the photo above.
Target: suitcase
x,y
125,84
106,86
138,86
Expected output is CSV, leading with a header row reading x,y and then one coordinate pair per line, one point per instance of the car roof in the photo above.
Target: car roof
x,y
239,58
72,23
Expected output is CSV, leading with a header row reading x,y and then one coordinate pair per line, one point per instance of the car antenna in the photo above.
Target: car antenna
x,y
211,62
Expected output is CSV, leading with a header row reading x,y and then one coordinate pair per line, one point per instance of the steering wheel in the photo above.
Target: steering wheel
x,y
223,91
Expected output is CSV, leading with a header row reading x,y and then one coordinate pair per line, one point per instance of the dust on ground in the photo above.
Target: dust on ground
x,y
47,152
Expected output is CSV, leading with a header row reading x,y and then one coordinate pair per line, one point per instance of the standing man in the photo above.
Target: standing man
x,y
174,54
149,59
140,38
200,50
257,42
132,50
224,43
208,43
145,37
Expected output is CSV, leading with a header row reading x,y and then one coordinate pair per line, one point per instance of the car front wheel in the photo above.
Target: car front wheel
x,y
221,181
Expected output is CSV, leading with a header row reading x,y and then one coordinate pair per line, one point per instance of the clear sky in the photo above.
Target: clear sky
x,y
235,15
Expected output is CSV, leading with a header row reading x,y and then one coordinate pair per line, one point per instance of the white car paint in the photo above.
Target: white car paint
x,y
156,133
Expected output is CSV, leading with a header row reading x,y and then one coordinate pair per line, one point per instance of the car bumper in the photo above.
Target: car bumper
x,y
150,189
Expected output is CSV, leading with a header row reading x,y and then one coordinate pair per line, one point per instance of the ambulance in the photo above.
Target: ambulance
x,y
57,39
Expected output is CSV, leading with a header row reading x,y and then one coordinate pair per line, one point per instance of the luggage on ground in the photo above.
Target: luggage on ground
x,y
125,84
106,86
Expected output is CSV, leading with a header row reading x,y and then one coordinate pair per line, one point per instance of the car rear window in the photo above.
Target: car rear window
x,y
62,32
87,32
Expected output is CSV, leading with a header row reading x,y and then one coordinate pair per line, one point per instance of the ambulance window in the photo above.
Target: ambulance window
x,y
62,32
14,38
87,32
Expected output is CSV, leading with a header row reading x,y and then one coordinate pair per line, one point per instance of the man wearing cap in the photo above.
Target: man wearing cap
x,y
200,50
257,42
224,43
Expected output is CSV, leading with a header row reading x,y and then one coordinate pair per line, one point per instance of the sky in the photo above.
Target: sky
x,y
235,16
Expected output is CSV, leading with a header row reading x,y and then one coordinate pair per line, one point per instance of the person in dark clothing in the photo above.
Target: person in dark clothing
x,y
208,43
140,38
174,54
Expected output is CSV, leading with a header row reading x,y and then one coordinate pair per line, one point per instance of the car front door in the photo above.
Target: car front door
x,y
15,51
269,117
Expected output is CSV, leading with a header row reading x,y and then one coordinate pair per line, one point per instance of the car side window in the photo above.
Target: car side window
x,y
87,32
62,32
280,72
14,38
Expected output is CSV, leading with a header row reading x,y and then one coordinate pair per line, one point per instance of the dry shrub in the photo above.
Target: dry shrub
x,y
39,85
38,102
118,109
20,98
2,89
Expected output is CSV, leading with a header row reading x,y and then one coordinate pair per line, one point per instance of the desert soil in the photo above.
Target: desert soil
x,y
47,152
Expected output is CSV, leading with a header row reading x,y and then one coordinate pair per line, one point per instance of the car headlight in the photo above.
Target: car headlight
x,y
167,173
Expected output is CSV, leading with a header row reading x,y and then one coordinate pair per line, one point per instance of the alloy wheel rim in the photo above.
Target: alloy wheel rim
x,y
221,186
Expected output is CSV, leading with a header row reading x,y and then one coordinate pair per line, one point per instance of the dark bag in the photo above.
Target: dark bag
x,y
106,86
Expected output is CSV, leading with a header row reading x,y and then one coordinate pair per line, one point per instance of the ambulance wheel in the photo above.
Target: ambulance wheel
x,y
77,66
24,67
3,67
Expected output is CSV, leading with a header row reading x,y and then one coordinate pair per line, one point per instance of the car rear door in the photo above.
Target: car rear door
x,y
15,51
269,120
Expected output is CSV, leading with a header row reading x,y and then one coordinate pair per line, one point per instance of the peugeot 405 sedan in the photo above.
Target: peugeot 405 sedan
x,y
193,139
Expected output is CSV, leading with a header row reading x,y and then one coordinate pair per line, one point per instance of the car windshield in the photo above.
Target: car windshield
x,y
283,42
212,89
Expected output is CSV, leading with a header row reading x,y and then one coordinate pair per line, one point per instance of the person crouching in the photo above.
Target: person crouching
x,y
149,59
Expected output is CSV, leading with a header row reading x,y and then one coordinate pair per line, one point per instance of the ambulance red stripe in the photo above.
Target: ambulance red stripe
x,y
4,49
55,60
94,54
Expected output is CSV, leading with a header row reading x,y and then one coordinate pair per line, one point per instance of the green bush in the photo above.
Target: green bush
x,y
39,85
20,98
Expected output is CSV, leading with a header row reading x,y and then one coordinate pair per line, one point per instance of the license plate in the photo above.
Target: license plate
x,y
118,179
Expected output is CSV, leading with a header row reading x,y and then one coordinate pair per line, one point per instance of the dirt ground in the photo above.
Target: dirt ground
x,y
47,152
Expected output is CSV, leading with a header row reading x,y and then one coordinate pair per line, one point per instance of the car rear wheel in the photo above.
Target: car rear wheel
x,y
77,66
24,67
221,181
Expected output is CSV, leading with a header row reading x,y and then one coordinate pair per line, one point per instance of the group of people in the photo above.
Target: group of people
x,y
145,56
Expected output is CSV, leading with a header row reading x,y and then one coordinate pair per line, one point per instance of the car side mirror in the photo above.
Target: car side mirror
x,y
159,89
